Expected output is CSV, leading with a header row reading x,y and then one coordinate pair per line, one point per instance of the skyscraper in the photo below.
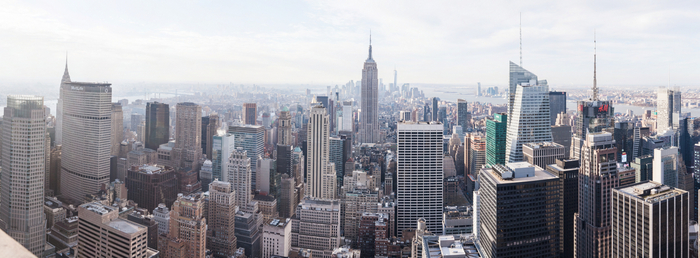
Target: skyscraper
x,y
557,104
435,109
117,133
597,176
594,115
321,176
369,121
419,175
188,135
666,166
250,113
188,227
284,129
463,116
656,225
150,185
529,121
23,170
347,121
221,220
240,177
668,109
210,124
86,126
157,129
222,147
517,76
505,191
496,139
252,139
316,226
567,170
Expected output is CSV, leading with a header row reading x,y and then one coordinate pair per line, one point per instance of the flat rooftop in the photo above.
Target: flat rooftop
x,y
125,226
533,173
650,191
98,208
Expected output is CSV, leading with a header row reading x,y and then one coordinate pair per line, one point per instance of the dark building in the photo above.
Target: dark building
x,y
642,168
373,234
557,104
495,139
435,108
567,170
250,113
157,129
248,233
624,134
561,134
148,222
519,212
149,185
463,116
284,159
187,181
685,141
209,126
593,116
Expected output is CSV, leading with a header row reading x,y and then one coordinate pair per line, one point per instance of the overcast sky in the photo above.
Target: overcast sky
x,y
310,42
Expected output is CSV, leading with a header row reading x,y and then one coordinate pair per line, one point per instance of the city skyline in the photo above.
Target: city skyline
x,y
447,45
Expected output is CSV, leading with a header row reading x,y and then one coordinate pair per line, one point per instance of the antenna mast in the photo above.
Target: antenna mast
x,y
521,39
595,81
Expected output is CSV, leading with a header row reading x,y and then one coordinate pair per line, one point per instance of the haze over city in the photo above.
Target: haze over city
x,y
320,43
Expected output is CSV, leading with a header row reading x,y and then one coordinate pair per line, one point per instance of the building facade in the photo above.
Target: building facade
x,y
239,176
157,130
250,113
419,175
23,163
221,219
188,135
542,154
320,173
369,106
567,171
277,237
101,233
496,139
150,185
316,226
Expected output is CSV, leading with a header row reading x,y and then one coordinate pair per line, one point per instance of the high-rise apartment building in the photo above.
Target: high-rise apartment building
x,y
157,129
221,220
373,234
496,139
320,173
252,139
161,214
23,163
210,125
188,228
463,115
650,219
250,113
668,109
316,226
567,171
239,175
666,166
597,177
477,153
101,233
542,154
117,133
347,123
369,114
505,191
151,184
419,175
529,121
86,112
188,135
557,105
277,237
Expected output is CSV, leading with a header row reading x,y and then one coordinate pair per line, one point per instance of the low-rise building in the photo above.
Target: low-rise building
x,y
277,237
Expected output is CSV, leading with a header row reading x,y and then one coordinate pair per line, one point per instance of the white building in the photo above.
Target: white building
x,y
668,109
347,121
240,177
277,237
223,145
316,226
85,112
161,214
419,175
530,119
321,178
665,166
23,167
263,177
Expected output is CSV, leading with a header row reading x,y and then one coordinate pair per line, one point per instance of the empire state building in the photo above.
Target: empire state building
x,y
369,116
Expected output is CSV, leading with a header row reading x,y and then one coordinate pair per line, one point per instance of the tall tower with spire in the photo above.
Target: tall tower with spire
x,y
594,115
369,116
59,106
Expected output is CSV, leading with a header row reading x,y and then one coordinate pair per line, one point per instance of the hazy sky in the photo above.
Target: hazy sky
x,y
310,42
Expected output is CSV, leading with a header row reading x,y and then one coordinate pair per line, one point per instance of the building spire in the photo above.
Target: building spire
x,y
595,81
66,76
370,46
